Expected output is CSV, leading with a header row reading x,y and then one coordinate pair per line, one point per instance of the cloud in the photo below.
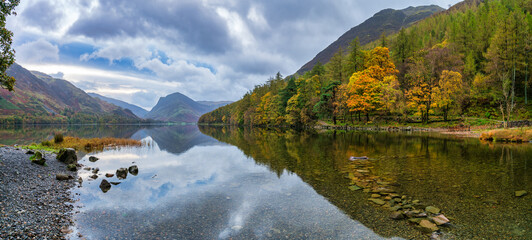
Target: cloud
x,y
39,51
43,14
207,50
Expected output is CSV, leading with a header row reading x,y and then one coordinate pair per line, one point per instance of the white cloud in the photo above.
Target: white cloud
x,y
39,51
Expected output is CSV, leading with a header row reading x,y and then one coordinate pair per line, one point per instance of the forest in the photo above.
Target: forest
x,y
468,62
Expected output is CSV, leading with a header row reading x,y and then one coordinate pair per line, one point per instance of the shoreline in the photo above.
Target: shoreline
x,y
34,204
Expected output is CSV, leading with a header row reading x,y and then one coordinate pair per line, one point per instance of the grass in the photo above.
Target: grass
x,y
508,135
86,144
95,144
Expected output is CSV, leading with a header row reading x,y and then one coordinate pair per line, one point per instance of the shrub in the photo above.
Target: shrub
x,y
46,143
58,138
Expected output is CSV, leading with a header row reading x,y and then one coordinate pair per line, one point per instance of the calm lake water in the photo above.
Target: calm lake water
x,y
222,183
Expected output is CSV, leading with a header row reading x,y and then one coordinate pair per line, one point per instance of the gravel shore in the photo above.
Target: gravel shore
x,y
33,204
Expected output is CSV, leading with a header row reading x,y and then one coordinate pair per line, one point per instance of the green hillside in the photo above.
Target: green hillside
x,y
469,61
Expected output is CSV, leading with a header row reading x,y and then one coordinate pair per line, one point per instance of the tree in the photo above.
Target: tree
x,y
355,60
326,107
7,56
366,87
335,66
449,90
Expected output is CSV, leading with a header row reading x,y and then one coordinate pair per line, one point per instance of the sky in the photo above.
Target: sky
x,y
138,51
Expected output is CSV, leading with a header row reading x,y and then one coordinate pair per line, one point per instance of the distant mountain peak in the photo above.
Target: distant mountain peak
x,y
387,20
177,107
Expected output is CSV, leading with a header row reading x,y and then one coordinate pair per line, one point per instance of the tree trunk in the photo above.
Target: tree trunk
x,y
367,117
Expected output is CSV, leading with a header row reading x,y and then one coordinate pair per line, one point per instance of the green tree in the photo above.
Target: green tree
x,y
355,60
7,56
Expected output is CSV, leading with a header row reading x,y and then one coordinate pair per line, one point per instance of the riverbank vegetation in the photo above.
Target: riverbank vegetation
x,y
468,62
85,144
508,135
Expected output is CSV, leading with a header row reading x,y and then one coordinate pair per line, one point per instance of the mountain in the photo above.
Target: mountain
x,y
140,112
43,99
177,107
388,21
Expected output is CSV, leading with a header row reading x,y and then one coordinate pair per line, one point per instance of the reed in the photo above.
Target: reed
x,y
508,135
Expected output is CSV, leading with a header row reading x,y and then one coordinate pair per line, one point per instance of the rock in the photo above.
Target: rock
x,y
427,225
134,170
415,220
94,176
109,175
72,167
93,159
105,186
388,198
415,202
38,158
87,169
375,195
440,219
96,170
61,176
521,193
31,152
354,188
432,209
115,183
121,173
396,208
397,216
377,201
67,155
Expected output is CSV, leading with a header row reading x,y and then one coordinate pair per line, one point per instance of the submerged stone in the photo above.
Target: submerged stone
x,y
375,195
397,215
377,201
432,209
427,225
354,188
440,219
93,159
521,193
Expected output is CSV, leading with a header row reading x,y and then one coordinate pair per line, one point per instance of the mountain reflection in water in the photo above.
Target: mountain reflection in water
x,y
191,186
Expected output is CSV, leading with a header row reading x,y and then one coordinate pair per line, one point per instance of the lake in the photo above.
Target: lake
x,y
221,183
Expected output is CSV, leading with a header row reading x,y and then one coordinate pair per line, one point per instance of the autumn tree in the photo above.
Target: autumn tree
x,y
366,87
7,56
449,89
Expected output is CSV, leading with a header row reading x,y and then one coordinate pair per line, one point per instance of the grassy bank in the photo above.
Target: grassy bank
x,y
508,135
85,144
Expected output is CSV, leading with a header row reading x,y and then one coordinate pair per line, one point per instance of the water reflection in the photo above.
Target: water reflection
x,y
206,191
471,182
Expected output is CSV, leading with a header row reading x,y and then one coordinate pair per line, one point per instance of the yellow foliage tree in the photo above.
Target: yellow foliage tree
x,y
365,89
450,88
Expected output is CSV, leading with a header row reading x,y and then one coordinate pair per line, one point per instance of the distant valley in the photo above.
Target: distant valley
x,y
40,98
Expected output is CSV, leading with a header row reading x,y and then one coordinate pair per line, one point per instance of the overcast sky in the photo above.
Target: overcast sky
x,y
138,50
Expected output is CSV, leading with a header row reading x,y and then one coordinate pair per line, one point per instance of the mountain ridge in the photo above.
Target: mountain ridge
x,y
177,107
39,98
387,20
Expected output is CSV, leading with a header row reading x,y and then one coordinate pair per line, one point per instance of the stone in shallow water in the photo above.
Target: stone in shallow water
x,y
93,159
105,186
426,224
121,173
432,209
377,201
134,170
440,219
109,175
397,215
375,196
520,193
354,188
